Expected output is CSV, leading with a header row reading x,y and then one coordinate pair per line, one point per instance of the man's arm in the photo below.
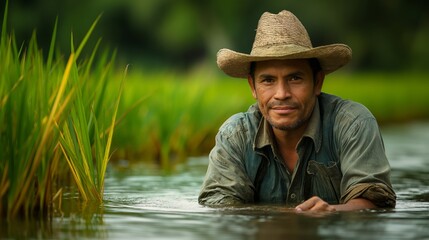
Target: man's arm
x,y
226,181
364,164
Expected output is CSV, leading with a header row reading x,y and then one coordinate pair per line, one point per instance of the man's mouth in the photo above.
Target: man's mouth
x,y
283,109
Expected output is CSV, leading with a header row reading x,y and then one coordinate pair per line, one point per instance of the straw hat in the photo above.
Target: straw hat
x,y
282,36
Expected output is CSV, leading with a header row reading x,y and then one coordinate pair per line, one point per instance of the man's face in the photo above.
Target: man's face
x,y
286,92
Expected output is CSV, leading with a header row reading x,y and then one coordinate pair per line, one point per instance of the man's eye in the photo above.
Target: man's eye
x,y
295,78
267,80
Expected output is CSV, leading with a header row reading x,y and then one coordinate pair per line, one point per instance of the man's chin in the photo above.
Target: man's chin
x,y
286,126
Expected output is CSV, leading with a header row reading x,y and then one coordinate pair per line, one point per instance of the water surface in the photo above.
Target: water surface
x,y
145,203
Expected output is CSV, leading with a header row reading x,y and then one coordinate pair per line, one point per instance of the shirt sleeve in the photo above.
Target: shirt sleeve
x,y
365,168
226,181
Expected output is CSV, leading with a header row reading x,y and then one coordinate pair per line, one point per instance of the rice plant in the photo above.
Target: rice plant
x,y
56,118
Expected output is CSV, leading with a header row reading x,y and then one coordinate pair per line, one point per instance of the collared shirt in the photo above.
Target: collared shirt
x,y
341,157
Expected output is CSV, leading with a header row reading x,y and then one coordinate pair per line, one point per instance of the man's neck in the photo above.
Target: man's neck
x,y
286,145
289,138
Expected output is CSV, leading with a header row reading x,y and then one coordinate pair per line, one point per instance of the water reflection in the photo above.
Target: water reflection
x,y
143,202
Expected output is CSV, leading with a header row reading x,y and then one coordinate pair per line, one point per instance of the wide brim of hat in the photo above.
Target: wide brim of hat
x,y
331,57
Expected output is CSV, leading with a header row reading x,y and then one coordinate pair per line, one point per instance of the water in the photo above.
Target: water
x,y
143,203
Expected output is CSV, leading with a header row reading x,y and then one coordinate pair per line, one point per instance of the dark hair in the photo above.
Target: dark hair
x,y
252,70
314,65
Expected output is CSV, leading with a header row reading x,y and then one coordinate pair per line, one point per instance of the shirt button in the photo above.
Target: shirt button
x,y
293,196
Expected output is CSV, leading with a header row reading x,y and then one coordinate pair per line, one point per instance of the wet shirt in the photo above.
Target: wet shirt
x,y
341,157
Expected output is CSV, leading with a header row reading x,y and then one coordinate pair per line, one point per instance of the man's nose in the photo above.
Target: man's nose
x,y
282,90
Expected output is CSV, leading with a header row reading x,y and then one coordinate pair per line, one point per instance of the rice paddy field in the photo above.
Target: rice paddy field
x,y
66,117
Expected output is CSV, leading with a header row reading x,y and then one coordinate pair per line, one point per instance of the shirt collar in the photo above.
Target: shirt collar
x,y
314,128
264,135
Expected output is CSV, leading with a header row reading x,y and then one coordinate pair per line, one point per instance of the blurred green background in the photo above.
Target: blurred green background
x,y
171,45
385,35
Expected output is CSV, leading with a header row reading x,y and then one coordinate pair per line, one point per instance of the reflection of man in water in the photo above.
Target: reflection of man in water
x,y
297,145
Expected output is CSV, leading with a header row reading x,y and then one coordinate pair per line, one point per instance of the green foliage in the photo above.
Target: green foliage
x,y
47,106
85,146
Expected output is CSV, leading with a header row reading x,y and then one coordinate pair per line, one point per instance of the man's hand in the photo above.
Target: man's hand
x,y
317,204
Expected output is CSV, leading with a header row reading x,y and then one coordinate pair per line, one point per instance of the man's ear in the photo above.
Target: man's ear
x,y
320,77
252,85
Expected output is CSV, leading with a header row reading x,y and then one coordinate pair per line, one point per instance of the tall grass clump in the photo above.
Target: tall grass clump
x,y
56,119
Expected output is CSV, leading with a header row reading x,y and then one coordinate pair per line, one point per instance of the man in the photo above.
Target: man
x,y
297,145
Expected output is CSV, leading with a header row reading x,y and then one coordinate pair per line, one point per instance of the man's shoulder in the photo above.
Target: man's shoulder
x,y
243,122
344,108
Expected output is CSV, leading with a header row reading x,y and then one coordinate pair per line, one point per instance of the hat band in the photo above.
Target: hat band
x,y
278,50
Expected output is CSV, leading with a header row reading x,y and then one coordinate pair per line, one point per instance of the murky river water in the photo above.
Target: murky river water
x,y
143,203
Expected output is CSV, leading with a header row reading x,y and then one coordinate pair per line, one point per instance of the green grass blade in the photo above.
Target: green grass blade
x,y
110,136
88,34
52,46
4,25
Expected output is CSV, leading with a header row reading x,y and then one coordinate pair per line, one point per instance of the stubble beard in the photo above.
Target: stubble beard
x,y
292,126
